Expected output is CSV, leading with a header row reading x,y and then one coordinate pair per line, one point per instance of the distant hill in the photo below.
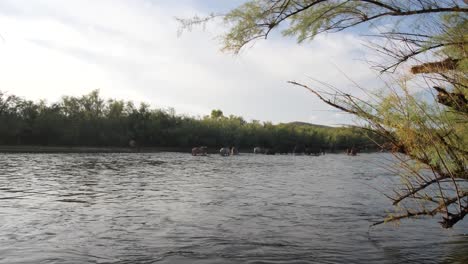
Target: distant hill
x,y
298,123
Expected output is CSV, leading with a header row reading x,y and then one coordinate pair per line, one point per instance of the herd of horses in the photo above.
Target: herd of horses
x,y
299,149
232,151
203,151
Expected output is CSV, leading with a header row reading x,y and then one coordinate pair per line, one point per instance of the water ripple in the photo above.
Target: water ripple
x,y
175,208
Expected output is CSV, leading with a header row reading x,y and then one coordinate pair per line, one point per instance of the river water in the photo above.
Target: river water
x,y
175,208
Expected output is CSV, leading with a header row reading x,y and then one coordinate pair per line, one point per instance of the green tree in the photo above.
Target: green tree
x,y
216,113
429,138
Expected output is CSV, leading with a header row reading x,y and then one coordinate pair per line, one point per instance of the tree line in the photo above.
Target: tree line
x,y
90,120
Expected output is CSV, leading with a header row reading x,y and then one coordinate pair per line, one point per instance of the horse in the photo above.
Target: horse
x,y
299,149
224,151
258,150
314,151
267,151
199,151
234,151
270,151
352,151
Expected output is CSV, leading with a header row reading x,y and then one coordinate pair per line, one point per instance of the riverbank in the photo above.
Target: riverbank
x,y
65,149
84,149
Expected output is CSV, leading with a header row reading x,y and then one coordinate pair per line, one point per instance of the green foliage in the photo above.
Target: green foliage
x,y
215,114
454,31
244,20
307,24
90,120
305,19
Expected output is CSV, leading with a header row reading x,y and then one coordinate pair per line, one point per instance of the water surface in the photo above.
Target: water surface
x,y
175,208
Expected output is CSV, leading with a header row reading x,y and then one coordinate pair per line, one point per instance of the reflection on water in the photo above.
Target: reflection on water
x,y
175,208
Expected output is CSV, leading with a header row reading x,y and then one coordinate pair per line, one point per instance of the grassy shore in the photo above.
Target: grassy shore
x,y
65,149
85,149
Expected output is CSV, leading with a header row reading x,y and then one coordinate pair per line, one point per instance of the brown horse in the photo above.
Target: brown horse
x,y
352,151
234,151
199,151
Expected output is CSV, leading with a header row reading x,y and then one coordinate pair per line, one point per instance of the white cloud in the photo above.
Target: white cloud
x,y
130,50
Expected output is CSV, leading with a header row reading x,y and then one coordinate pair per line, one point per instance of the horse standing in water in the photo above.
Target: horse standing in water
x,y
299,150
352,151
234,151
199,151
258,150
267,151
224,151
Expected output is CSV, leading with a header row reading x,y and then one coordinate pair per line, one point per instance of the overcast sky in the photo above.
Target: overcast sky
x,y
130,50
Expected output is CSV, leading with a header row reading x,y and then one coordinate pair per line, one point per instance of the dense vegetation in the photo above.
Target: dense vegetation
x,y
90,120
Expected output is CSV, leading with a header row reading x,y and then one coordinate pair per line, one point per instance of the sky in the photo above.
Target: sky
x,y
131,50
